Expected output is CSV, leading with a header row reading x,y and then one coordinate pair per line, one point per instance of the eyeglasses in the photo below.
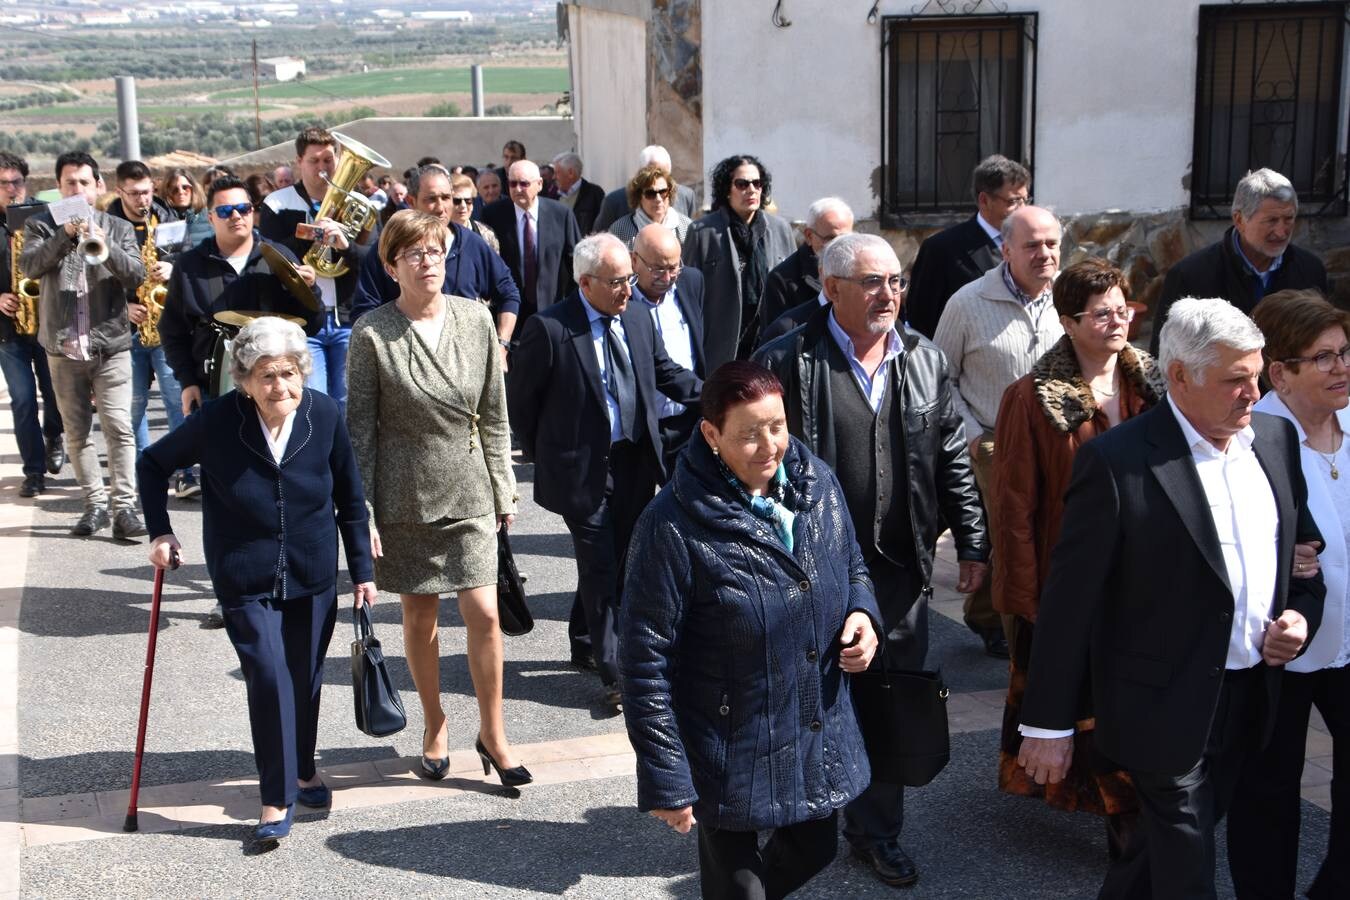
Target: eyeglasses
x,y
130,193
519,184
653,193
224,210
462,201
430,256
672,271
184,186
615,283
745,184
1325,361
872,284
12,183
1107,313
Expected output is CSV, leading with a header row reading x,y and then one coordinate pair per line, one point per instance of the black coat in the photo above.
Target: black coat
x,y
729,650
281,212
1154,635
268,530
947,261
590,197
557,403
792,318
938,477
1218,271
791,283
556,238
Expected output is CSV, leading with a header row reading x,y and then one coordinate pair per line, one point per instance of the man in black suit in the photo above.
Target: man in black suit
x,y
958,255
581,196
794,284
585,396
1184,658
616,207
537,237
673,295
1254,257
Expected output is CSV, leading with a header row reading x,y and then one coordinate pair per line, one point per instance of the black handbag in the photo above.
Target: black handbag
x,y
903,717
379,711
512,611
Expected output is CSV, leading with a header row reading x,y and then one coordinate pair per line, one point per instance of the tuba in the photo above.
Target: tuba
x,y
353,211
152,291
26,317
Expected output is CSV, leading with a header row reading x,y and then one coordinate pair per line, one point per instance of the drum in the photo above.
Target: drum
x,y
220,381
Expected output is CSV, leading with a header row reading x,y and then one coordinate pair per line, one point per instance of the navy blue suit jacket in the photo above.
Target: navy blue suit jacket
x,y
689,294
557,403
471,270
269,530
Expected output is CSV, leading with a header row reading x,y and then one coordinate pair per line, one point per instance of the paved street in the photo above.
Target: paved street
x,y
73,620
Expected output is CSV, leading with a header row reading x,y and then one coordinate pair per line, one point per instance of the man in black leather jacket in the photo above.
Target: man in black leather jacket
x,y
872,399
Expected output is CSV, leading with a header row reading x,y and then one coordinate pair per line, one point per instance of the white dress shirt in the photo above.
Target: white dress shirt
x,y
873,384
676,338
995,234
277,447
596,318
1242,506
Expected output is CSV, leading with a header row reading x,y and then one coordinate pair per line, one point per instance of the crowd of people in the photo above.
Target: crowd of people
x,y
754,441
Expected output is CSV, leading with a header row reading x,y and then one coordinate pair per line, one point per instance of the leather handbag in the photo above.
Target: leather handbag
x,y
379,711
512,611
903,718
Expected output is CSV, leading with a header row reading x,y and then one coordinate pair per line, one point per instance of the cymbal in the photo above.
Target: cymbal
x,y
285,271
238,318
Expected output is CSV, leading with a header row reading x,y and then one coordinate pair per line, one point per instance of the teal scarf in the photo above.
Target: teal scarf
x,y
769,507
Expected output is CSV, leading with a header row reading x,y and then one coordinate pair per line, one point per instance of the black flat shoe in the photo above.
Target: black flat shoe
x,y
434,769
891,864
510,777
995,644
33,485
56,455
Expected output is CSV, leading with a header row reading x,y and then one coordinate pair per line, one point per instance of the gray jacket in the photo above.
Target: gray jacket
x,y
52,255
412,412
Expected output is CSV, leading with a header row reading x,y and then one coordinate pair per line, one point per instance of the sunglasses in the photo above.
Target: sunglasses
x,y
462,201
745,184
653,193
519,184
224,211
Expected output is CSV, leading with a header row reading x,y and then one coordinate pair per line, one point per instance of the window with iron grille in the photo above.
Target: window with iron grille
x,y
954,90
1269,93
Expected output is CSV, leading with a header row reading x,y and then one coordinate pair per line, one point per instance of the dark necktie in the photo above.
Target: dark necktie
x,y
619,380
529,268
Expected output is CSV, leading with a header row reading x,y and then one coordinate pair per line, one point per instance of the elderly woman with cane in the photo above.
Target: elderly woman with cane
x,y
747,603
279,484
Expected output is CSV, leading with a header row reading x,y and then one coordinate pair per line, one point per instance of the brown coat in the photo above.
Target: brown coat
x,y
1044,418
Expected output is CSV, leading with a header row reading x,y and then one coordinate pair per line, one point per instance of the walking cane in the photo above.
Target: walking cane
x,y
131,823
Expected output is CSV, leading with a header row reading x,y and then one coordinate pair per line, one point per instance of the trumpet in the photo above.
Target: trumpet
x,y
26,317
92,246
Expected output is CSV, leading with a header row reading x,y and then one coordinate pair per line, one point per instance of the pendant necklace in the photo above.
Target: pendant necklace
x,y
1330,459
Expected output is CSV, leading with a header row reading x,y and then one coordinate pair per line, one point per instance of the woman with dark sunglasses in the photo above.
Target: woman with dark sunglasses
x,y
735,246
463,192
651,194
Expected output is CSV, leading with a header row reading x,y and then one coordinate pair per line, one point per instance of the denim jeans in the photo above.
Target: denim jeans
x,y
329,349
24,364
144,363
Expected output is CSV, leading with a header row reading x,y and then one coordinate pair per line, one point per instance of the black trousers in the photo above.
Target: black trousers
x,y
281,647
1263,822
1171,854
600,542
676,431
732,865
877,815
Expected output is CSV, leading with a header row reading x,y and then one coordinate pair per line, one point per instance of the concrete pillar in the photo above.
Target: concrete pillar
x,y
128,127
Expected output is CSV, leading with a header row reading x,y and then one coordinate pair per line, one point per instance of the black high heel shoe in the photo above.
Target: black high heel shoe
x,y
510,777
434,769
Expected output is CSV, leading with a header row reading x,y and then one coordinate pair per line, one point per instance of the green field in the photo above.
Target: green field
x,y
504,80
148,111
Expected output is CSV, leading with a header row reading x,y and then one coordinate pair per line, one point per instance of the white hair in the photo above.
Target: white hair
x,y
1263,184
839,259
823,207
654,155
569,161
590,252
269,336
1194,330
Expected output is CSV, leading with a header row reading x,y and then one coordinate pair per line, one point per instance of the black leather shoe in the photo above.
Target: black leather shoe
x,y
892,865
92,521
127,525
995,643
33,485
56,455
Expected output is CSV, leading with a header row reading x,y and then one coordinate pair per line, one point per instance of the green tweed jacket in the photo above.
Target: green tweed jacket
x,y
429,424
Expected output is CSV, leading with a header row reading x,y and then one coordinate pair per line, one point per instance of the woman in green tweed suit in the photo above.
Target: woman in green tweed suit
x,y
426,408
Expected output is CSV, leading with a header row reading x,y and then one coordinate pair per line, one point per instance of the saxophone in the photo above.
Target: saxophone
x,y
26,317
152,291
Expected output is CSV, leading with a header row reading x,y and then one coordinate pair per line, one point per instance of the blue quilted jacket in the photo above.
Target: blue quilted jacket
x,y
729,649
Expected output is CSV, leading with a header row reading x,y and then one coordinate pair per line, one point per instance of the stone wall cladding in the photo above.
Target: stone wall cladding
x,y
675,86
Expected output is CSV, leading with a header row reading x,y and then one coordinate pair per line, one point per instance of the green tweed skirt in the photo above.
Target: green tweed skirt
x,y
439,557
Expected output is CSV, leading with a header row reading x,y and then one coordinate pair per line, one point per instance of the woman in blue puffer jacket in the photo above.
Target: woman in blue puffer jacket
x,y
746,601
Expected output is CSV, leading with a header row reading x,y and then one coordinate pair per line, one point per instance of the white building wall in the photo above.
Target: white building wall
x,y
1115,99
608,55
